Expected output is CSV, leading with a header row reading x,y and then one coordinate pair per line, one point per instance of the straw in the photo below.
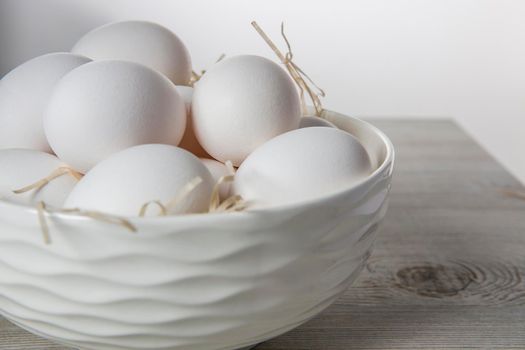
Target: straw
x,y
195,77
297,74
233,203
184,192
38,185
41,210
144,208
215,200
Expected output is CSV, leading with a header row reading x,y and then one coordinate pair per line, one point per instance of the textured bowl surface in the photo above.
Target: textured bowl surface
x,y
195,282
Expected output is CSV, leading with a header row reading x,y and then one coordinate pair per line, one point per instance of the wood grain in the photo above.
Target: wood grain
x,y
448,269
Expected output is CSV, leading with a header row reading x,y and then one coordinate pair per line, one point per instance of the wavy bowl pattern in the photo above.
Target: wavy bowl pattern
x,y
198,282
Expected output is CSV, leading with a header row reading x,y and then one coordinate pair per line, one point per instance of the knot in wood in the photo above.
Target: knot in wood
x,y
435,280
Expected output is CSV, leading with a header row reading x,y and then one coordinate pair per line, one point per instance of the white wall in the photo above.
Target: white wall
x,y
438,58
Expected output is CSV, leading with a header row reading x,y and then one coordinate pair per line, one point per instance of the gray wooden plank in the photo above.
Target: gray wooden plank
x,y
449,264
406,327
14,338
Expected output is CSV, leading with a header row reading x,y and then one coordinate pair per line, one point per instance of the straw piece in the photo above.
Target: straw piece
x,y
41,210
46,180
289,57
230,167
297,74
215,199
233,203
195,77
184,192
221,57
110,219
144,208
99,216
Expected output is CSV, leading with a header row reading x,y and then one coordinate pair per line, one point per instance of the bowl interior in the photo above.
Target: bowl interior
x,y
376,143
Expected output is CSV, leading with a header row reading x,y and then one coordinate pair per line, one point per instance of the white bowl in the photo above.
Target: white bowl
x,y
195,282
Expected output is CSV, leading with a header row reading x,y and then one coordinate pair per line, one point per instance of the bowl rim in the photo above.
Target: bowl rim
x,y
203,217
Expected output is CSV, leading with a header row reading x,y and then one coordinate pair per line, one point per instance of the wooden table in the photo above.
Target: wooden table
x,y
448,269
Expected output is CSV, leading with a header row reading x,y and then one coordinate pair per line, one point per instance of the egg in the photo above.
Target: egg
x,y
142,42
103,107
218,170
186,92
189,140
301,165
24,94
309,121
124,182
242,102
23,167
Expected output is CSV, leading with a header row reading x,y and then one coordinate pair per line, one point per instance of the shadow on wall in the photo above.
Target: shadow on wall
x,y
28,29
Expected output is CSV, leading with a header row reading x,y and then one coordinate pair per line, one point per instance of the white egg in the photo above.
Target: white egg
x,y
142,42
300,165
189,141
104,107
218,170
23,167
124,182
309,121
186,92
24,94
241,103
